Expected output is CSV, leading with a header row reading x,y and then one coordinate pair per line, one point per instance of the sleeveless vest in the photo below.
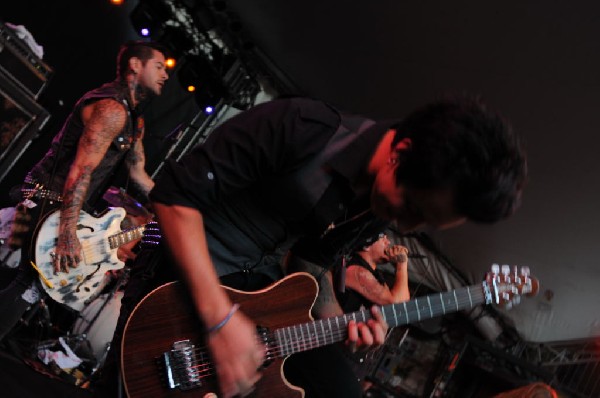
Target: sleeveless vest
x,y
53,168
350,300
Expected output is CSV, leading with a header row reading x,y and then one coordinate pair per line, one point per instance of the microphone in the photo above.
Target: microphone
x,y
387,252
416,255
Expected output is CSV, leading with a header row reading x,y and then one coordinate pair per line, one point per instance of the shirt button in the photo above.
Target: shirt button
x,y
210,175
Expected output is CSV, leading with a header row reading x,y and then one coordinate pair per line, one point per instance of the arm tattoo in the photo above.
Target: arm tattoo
x,y
73,197
106,120
368,285
105,123
135,156
136,161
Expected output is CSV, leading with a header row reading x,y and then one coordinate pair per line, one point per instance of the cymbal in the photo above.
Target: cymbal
x,y
119,198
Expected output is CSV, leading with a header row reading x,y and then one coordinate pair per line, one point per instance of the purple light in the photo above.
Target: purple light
x,y
209,109
144,31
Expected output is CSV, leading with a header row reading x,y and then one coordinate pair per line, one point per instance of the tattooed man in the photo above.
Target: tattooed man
x,y
102,130
365,283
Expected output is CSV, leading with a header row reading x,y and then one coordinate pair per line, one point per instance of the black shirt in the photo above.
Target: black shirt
x,y
261,180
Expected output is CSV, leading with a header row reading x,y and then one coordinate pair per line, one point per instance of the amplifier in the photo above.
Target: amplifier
x,y
19,63
21,119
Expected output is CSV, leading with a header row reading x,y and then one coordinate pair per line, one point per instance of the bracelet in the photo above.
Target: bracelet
x,y
219,325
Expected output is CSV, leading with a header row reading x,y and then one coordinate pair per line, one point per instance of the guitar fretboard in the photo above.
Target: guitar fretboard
x,y
127,236
322,332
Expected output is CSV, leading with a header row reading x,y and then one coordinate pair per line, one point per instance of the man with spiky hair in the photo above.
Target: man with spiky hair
x,y
103,129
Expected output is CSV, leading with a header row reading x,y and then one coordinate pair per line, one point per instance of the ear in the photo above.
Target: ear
x,y
135,64
403,145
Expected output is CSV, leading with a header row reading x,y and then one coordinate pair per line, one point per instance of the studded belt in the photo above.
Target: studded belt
x,y
33,189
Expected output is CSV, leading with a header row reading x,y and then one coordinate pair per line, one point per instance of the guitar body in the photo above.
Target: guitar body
x,y
76,287
166,315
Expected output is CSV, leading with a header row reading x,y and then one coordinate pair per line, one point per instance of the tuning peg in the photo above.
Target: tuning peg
x,y
525,271
495,269
506,270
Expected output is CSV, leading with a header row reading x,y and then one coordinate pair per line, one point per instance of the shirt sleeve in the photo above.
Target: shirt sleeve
x,y
268,140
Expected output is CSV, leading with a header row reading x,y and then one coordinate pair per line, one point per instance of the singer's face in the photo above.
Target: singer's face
x,y
378,247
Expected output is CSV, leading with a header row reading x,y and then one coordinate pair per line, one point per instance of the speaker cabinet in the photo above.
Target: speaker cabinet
x,y
21,119
19,63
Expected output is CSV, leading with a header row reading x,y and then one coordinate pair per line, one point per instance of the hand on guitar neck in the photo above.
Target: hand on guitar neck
x,y
364,335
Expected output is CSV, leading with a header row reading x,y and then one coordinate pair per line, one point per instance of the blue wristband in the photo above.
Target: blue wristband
x,y
219,325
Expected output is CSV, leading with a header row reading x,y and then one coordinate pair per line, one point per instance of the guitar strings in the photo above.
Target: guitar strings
x,y
91,248
203,368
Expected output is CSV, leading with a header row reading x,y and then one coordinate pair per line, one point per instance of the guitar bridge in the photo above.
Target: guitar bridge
x,y
181,366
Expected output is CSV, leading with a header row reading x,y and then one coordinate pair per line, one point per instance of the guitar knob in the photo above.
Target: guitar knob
x,y
516,300
525,271
506,270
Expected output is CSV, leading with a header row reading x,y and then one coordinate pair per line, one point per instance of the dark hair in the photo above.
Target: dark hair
x,y
458,143
138,49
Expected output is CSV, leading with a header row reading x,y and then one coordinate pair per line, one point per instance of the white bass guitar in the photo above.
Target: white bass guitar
x,y
100,237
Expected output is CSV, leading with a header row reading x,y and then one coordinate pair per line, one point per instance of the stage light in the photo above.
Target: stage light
x,y
145,32
191,88
117,2
209,89
208,110
170,63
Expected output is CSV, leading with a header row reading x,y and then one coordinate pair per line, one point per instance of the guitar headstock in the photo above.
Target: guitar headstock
x,y
506,285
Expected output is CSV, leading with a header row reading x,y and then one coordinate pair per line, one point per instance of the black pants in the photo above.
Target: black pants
x,y
323,373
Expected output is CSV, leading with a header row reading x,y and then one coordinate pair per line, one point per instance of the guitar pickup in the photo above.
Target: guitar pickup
x,y
181,366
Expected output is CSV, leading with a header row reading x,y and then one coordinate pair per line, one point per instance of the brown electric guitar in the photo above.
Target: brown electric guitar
x,y
164,355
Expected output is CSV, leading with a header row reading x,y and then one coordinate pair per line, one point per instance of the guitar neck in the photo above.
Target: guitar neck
x,y
327,331
127,236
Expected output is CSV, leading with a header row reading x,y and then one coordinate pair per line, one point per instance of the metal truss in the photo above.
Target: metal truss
x,y
574,364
